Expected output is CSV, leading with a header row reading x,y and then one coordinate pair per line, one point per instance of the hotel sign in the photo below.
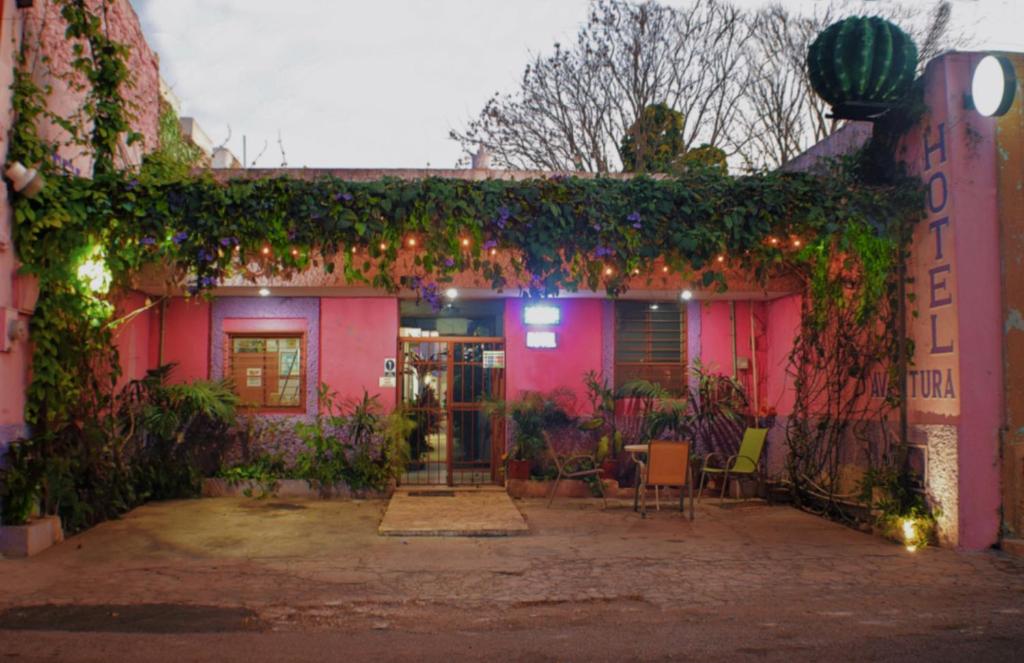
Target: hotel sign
x,y
933,384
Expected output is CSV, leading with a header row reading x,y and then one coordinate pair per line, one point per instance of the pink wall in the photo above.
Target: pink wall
x,y
579,350
133,337
783,324
356,335
187,338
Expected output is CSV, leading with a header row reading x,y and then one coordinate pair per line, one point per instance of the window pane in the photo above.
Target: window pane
x,y
650,343
267,371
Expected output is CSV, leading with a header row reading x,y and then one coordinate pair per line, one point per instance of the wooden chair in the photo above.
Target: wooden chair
x,y
667,464
745,463
575,466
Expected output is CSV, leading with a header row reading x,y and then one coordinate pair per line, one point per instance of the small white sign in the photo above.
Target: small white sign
x,y
386,381
253,381
494,359
254,372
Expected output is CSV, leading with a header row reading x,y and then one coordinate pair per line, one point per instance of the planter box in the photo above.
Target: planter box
x,y
287,488
518,488
31,539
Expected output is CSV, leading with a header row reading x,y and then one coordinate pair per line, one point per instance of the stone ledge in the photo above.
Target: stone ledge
x,y
31,539
286,488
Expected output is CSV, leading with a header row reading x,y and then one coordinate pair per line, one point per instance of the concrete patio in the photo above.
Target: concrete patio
x,y
228,579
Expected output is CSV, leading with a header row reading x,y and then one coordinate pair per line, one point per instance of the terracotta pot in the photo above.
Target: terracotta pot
x,y
610,467
518,469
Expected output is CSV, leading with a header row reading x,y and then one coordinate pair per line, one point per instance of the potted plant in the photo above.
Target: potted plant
x,y
602,404
531,415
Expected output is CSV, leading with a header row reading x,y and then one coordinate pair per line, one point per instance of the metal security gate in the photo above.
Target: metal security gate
x,y
443,382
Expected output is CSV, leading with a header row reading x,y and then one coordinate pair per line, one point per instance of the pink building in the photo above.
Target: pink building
x,y
279,340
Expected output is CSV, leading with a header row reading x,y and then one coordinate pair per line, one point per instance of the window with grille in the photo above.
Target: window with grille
x,y
268,371
650,344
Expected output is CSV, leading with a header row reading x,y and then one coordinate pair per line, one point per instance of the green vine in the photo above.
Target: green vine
x,y
540,236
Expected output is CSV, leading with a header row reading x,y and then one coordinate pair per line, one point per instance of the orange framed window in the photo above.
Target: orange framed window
x,y
268,370
650,344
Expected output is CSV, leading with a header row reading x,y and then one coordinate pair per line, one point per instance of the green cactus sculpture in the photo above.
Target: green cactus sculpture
x,y
862,61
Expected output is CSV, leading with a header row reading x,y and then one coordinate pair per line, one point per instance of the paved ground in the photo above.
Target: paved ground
x,y
474,512
234,580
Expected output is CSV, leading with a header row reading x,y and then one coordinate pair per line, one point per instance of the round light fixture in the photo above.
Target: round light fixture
x,y
686,296
264,292
654,307
451,293
993,85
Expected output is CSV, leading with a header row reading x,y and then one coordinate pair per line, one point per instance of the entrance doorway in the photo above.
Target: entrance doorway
x,y
443,383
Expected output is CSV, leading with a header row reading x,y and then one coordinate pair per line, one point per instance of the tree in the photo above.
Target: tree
x,y
781,116
654,141
574,106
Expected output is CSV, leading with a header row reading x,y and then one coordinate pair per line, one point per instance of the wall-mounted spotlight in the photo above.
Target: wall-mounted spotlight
x,y
993,86
26,181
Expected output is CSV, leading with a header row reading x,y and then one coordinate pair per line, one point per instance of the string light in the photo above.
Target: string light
x,y
412,241
383,246
608,271
774,241
494,252
721,258
796,243
465,241
266,250
295,252
665,269
636,271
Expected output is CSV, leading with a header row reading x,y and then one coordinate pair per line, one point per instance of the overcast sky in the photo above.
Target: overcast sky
x,y
379,83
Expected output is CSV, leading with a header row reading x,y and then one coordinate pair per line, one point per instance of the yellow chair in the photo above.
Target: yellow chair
x,y
667,464
745,463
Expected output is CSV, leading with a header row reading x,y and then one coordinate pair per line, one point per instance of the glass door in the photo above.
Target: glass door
x,y
444,383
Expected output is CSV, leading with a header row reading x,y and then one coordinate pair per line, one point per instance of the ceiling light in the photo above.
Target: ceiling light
x,y
686,295
264,292
451,293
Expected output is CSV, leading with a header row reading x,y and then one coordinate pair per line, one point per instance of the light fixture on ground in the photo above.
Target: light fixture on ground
x,y
451,293
686,295
993,85
264,292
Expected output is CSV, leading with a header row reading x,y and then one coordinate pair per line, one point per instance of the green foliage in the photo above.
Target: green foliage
x,y
175,156
862,59
531,415
353,445
654,141
151,440
262,475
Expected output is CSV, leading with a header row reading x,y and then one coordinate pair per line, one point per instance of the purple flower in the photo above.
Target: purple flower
x,y
228,241
347,197
180,237
134,183
490,244
634,218
597,227
204,255
603,251
449,262
206,281
148,241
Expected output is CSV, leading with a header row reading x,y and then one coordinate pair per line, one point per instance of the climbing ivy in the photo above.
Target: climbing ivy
x,y
539,236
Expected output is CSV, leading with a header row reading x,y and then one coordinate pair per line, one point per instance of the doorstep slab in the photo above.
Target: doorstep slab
x,y
414,512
